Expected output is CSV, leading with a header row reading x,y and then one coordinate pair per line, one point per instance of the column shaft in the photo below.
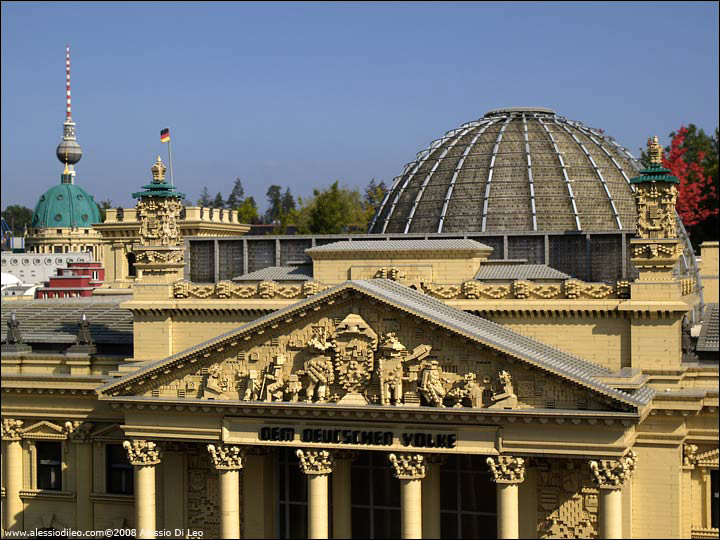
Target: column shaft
x,y
431,501
13,485
508,515
318,506
341,498
230,503
411,508
145,501
83,485
610,513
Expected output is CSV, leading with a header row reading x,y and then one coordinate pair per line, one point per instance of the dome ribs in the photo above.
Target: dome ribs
x,y
488,182
429,175
533,207
597,171
457,171
573,203
615,178
513,170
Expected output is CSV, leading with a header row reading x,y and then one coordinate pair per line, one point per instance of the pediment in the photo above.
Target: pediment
x,y
376,343
44,430
109,433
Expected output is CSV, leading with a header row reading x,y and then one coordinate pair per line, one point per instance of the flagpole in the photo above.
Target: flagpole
x,y
172,182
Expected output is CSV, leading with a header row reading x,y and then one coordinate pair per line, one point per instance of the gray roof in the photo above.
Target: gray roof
x,y
533,352
279,273
401,245
709,338
490,272
56,321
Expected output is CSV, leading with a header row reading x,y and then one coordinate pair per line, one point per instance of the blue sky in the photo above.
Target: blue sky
x,y
302,94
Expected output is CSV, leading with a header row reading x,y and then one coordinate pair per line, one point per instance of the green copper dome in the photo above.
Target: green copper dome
x,y
65,205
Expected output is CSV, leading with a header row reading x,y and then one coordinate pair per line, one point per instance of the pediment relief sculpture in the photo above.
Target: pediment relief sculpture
x,y
362,355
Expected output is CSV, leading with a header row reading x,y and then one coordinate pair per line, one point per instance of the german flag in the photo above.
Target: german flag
x,y
165,135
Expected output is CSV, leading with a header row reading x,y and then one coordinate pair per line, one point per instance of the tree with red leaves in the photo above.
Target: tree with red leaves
x,y
697,198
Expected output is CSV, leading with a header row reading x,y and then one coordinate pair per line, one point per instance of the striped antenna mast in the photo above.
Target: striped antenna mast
x,y
68,108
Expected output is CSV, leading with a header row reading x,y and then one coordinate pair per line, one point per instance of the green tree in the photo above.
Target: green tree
x,y
237,195
274,198
18,217
288,202
102,207
248,212
374,195
332,211
218,202
204,199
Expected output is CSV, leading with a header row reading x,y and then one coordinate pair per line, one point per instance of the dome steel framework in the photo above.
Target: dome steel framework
x,y
515,169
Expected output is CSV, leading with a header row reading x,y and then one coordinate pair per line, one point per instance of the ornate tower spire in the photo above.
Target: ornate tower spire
x,y
68,151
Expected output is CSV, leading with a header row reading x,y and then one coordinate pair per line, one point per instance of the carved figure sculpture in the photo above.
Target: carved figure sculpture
x,y
467,389
252,391
213,387
507,398
84,337
431,385
390,369
319,371
13,332
293,387
274,390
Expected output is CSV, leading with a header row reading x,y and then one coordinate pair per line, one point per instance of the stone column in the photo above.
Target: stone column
x,y
431,497
228,460
341,494
610,476
507,473
410,470
12,460
317,464
79,435
144,455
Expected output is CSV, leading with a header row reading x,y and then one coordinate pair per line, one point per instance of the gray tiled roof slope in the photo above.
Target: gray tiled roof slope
x,y
279,273
709,338
401,245
56,321
533,352
518,271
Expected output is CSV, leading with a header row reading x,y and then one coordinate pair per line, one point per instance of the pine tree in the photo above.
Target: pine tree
x,y
274,197
204,199
237,195
218,202
288,202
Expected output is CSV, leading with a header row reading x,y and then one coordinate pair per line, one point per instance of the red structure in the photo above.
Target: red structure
x,y
78,279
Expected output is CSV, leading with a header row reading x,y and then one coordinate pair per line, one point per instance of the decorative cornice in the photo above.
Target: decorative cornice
x,y
78,431
315,461
408,466
142,453
613,473
507,469
225,457
11,429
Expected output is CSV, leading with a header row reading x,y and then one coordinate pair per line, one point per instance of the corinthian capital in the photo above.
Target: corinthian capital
x,y
78,432
612,473
315,461
142,452
507,469
226,457
408,466
11,429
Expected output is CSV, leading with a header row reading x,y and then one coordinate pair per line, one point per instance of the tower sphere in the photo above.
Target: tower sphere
x,y
68,151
